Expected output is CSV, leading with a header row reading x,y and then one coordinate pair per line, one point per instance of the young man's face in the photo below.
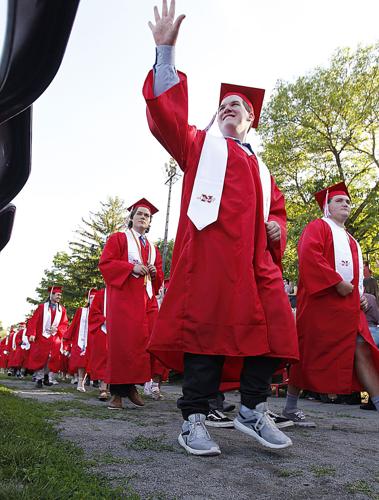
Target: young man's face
x,y
340,208
56,297
141,220
233,118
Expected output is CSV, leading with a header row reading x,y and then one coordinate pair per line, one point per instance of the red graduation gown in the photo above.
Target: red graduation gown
x,y
226,292
128,307
43,349
327,323
4,352
77,359
97,339
15,355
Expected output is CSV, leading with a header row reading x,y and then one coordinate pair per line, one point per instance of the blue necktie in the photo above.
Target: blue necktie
x,y
143,240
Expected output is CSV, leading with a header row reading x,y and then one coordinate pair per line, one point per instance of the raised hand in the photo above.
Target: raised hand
x,y
166,28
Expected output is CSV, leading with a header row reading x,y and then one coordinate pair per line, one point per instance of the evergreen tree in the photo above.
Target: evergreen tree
x,y
77,270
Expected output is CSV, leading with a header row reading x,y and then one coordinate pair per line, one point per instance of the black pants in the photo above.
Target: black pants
x,y
202,377
121,390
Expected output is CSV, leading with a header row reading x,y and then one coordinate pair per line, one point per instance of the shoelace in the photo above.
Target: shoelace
x,y
198,430
263,420
300,414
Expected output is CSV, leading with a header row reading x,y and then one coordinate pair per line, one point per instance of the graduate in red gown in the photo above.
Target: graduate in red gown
x,y
225,313
132,269
4,351
76,340
97,343
16,353
337,352
45,331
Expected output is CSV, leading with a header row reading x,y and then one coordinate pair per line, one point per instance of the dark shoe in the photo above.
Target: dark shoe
x,y
279,421
134,397
39,384
47,383
103,396
368,406
216,418
227,406
115,403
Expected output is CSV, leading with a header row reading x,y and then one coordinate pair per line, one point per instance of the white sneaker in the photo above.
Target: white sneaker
x,y
147,388
195,438
258,424
155,391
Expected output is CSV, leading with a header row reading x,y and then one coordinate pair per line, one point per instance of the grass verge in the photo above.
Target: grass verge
x,y
35,463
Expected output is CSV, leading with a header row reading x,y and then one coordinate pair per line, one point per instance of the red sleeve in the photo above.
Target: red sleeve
x,y
157,283
63,324
167,116
278,214
114,265
96,316
70,332
32,322
316,272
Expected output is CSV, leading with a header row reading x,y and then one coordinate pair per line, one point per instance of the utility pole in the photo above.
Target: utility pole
x,y
172,174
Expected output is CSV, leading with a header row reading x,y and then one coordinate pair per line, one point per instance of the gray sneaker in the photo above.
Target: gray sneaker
x,y
195,438
259,425
298,418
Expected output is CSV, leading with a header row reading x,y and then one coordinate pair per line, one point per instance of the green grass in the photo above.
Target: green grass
x,y
323,470
36,464
359,487
146,443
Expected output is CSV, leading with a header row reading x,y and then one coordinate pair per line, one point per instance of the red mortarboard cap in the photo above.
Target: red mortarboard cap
x,y
331,191
143,202
55,289
253,97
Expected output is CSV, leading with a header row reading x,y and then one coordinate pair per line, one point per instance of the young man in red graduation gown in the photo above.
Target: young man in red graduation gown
x,y
97,343
45,331
76,340
337,352
225,313
132,269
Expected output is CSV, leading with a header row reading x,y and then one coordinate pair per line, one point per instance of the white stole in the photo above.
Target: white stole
x,y
207,189
104,325
134,255
14,341
343,259
46,320
83,329
25,344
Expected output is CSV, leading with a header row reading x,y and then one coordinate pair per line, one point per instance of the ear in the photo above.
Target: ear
x,y
251,116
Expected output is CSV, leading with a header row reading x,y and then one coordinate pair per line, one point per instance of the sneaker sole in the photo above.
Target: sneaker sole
x,y
238,425
114,408
203,453
282,425
309,425
223,425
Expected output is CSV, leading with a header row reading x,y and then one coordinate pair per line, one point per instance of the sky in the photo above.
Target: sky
x,y
90,137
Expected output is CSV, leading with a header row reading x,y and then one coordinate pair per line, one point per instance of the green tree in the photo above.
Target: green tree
x,y
77,269
320,130
170,246
2,330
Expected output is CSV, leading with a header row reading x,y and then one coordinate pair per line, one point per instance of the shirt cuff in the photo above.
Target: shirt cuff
x,y
165,54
